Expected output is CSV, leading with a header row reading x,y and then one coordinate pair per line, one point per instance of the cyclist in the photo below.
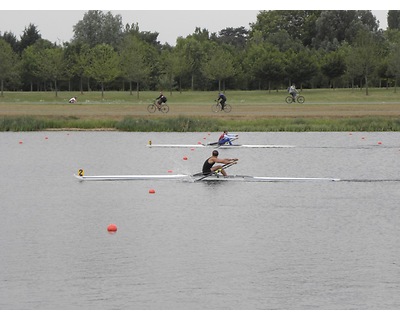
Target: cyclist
x,y
222,100
292,90
160,99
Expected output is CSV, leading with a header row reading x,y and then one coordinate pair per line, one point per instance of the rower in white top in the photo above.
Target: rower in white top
x,y
227,138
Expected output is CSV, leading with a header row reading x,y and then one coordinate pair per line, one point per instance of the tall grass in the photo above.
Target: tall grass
x,y
193,124
27,123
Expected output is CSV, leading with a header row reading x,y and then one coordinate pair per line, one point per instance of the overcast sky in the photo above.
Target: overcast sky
x,y
170,21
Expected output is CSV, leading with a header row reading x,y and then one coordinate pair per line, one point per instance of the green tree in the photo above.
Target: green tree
x,y
171,65
299,24
300,67
219,66
133,61
81,64
236,37
97,27
333,66
393,19
333,27
353,69
29,37
33,60
52,65
193,50
11,39
366,54
104,65
264,63
8,60
182,65
394,63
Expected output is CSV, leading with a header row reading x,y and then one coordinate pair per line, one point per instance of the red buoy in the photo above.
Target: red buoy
x,y
152,191
112,228
185,158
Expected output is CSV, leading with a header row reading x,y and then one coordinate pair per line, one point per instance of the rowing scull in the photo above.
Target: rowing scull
x,y
217,146
191,178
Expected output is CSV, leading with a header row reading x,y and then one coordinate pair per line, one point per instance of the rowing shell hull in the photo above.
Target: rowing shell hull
x,y
219,147
262,179
184,177
132,177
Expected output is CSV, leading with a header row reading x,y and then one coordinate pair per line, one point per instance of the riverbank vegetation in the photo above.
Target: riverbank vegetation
x,y
186,124
324,110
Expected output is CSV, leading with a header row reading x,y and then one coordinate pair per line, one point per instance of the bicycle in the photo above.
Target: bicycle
x,y
218,107
299,99
154,106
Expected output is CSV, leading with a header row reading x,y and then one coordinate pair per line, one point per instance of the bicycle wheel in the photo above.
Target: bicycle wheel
x,y
151,108
300,99
227,108
164,108
289,99
216,107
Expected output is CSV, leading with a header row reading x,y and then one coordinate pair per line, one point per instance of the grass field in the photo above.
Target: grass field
x,y
323,110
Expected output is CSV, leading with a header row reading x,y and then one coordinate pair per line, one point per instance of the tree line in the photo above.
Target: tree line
x,y
312,48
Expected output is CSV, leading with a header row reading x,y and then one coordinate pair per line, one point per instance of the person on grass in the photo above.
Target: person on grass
x,y
73,100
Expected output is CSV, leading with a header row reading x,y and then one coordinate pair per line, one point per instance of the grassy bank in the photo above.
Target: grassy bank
x,y
190,124
324,110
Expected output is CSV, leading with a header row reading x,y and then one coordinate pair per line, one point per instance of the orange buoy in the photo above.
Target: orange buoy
x,y
112,228
152,191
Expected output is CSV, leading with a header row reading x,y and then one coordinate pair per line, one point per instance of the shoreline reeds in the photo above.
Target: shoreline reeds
x,y
199,124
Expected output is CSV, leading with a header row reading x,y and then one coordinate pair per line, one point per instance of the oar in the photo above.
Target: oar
x,y
223,167
212,172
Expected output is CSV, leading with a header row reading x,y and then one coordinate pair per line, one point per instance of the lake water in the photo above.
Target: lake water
x,y
194,246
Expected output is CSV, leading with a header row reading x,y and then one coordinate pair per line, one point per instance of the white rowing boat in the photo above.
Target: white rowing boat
x,y
199,177
132,177
262,179
226,146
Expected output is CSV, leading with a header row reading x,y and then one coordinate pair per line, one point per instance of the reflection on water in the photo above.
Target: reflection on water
x,y
208,245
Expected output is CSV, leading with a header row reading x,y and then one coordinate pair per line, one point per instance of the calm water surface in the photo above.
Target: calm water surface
x,y
237,245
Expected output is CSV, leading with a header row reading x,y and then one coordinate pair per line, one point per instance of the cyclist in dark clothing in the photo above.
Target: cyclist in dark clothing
x,y
161,99
222,100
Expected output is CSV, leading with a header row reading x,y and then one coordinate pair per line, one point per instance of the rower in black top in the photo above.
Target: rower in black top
x,y
208,166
